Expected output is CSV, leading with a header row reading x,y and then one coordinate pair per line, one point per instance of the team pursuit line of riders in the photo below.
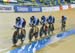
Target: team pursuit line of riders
x,y
46,29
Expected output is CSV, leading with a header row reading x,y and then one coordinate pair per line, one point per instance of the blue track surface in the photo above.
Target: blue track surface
x,y
33,47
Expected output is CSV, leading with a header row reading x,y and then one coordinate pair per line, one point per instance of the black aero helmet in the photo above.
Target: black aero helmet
x,y
42,17
62,16
32,17
50,17
18,19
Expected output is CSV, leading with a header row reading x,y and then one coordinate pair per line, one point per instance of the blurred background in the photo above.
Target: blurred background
x,y
36,2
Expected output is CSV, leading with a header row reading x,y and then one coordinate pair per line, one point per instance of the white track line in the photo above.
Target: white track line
x,y
29,47
1,50
34,49
22,48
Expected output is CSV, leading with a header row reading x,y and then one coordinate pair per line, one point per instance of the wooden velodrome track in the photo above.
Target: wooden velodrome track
x,y
7,21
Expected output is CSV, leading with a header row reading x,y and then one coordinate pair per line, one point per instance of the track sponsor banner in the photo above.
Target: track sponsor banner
x,y
6,8
73,5
50,9
36,9
65,7
27,9
21,9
